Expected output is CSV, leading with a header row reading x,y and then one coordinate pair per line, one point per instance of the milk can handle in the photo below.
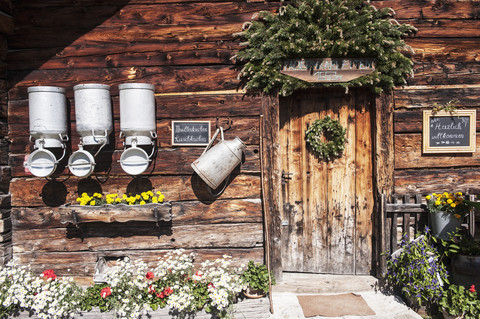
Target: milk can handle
x,y
220,129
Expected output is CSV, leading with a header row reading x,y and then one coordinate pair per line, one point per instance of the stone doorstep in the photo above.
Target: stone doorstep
x,y
246,308
305,283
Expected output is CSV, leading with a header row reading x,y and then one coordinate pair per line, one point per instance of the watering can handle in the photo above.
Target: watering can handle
x,y
210,190
220,129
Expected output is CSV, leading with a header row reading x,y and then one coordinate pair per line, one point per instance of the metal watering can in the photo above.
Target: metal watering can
x,y
216,163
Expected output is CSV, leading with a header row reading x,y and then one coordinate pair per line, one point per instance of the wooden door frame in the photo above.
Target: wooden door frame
x,y
271,171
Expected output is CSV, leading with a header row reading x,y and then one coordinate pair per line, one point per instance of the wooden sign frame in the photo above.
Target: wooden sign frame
x,y
185,143
446,144
328,70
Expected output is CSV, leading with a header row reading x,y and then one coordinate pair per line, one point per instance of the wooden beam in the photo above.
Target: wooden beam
x,y
272,179
384,156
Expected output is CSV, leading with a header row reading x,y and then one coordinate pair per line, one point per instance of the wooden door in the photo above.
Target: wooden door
x,y
327,206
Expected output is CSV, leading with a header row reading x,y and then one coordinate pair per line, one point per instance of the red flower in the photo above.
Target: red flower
x,y
168,291
49,274
149,275
210,285
151,289
472,288
198,273
160,295
106,292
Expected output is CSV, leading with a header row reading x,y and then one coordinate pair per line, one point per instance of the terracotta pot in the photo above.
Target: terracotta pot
x,y
253,293
448,316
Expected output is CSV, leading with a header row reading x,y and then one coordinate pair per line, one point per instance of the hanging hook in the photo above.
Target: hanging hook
x,y
229,124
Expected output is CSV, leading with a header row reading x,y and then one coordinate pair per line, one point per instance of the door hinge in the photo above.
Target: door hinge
x,y
286,176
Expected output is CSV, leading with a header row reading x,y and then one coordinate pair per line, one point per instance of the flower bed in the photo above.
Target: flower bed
x,y
130,291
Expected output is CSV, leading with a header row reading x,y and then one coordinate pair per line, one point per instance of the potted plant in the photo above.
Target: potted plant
x,y
256,278
417,270
447,211
466,262
458,302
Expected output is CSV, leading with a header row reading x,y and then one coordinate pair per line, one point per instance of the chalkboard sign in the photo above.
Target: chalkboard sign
x,y
190,133
445,132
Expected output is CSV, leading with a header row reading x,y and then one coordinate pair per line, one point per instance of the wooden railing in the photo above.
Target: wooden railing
x,y
406,215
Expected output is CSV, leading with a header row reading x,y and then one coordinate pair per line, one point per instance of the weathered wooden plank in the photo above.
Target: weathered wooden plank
x,y
33,192
444,49
5,200
244,128
183,213
272,179
408,150
112,54
165,79
89,3
445,28
384,137
21,60
341,190
167,161
6,23
430,9
26,38
98,237
428,96
405,208
122,213
5,224
364,189
448,73
411,121
242,308
74,17
5,177
174,106
424,181
83,263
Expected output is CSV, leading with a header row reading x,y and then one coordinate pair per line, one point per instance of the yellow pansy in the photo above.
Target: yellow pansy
x,y
428,197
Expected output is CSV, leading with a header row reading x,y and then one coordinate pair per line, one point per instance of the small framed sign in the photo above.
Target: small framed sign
x,y
190,133
445,132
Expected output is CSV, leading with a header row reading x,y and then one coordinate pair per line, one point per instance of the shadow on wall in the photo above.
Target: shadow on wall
x,y
43,29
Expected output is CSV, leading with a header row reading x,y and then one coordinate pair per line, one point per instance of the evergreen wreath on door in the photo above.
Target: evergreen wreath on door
x,y
326,137
323,29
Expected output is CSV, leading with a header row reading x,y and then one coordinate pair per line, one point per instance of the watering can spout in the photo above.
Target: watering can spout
x,y
217,162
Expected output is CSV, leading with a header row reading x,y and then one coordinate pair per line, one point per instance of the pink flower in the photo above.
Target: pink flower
x,y
472,288
106,292
49,274
149,275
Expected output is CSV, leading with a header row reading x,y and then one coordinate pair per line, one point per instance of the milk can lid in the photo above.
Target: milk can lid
x,y
41,163
54,89
134,161
81,163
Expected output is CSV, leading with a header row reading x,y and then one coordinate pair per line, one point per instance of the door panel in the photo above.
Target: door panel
x,y
325,202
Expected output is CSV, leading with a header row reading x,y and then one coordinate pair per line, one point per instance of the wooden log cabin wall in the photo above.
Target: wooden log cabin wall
x,y
184,49
6,28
